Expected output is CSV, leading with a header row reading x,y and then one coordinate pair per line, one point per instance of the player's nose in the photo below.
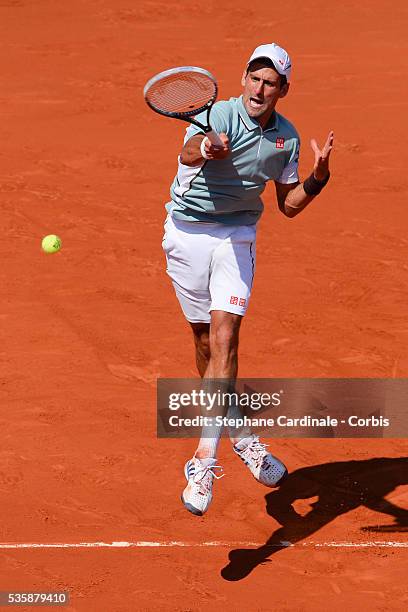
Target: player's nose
x,y
259,89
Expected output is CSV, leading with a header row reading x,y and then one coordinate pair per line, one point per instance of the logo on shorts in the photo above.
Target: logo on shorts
x,y
236,301
280,143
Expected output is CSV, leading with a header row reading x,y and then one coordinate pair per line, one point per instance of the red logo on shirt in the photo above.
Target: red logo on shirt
x,y
233,300
242,301
280,143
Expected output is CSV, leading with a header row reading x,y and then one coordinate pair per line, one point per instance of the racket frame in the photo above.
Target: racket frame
x,y
187,115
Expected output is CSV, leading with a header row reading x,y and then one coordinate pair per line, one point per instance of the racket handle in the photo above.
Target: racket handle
x,y
214,138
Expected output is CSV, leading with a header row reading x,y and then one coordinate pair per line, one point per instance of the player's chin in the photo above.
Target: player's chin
x,y
255,113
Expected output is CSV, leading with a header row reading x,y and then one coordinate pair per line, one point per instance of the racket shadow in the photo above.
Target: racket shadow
x,y
340,488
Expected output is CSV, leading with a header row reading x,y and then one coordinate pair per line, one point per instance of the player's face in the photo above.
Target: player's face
x,y
262,90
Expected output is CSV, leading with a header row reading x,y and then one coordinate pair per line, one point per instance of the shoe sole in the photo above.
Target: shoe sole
x,y
281,479
278,483
191,508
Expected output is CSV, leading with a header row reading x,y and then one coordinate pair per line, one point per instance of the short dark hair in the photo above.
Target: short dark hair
x,y
269,64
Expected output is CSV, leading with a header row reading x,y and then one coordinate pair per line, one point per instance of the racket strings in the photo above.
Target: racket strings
x,y
182,93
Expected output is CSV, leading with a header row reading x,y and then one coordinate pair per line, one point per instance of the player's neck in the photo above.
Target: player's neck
x,y
266,119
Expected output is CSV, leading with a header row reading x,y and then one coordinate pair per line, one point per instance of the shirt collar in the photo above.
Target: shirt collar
x,y
251,124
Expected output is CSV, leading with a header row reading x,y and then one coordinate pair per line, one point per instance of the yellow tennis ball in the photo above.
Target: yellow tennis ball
x,y
51,243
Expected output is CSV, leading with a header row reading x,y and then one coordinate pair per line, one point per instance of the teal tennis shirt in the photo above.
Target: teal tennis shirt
x,y
229,190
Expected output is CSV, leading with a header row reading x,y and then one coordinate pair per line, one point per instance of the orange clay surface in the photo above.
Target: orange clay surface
x,y
86,332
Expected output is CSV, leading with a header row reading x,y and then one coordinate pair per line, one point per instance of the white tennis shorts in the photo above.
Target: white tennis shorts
x,y
211,265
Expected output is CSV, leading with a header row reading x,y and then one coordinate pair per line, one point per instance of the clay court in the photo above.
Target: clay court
x,y
86,332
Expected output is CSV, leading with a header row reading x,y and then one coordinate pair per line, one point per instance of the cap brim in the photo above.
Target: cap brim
x,y
259,57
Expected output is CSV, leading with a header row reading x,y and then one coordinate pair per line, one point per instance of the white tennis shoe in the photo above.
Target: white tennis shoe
x,y
266,468
200,475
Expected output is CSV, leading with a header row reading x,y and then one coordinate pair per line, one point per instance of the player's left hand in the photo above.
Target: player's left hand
x,y
321,164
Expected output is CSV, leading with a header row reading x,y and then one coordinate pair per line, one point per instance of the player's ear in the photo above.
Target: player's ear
x,y
284,90
244,78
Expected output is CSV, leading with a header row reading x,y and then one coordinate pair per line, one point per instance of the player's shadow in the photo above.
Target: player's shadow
x,y
340,487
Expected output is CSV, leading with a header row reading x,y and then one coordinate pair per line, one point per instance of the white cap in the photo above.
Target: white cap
x,y
277,55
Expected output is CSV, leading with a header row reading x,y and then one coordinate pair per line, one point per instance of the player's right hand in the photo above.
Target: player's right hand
x,y
217,152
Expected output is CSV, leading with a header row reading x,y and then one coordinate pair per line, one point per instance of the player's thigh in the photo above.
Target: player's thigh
x,y
188,255
195,304
233,270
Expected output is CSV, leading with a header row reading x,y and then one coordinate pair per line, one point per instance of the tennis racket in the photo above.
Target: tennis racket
x,y
182,93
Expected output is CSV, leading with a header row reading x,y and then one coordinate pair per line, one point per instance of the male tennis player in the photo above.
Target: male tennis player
x,y
210,234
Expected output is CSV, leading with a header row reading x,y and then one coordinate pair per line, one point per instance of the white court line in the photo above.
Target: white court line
x,y
220,544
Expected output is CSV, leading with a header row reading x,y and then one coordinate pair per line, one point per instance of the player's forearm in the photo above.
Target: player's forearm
x,y
304,193
296,201
191,153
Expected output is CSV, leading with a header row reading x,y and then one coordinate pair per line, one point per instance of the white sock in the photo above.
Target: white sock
x,y
237,433
209,441
208,461
244,442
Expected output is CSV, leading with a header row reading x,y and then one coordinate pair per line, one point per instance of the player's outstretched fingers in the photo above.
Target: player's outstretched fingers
x,y
325,151
321,163
328,145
